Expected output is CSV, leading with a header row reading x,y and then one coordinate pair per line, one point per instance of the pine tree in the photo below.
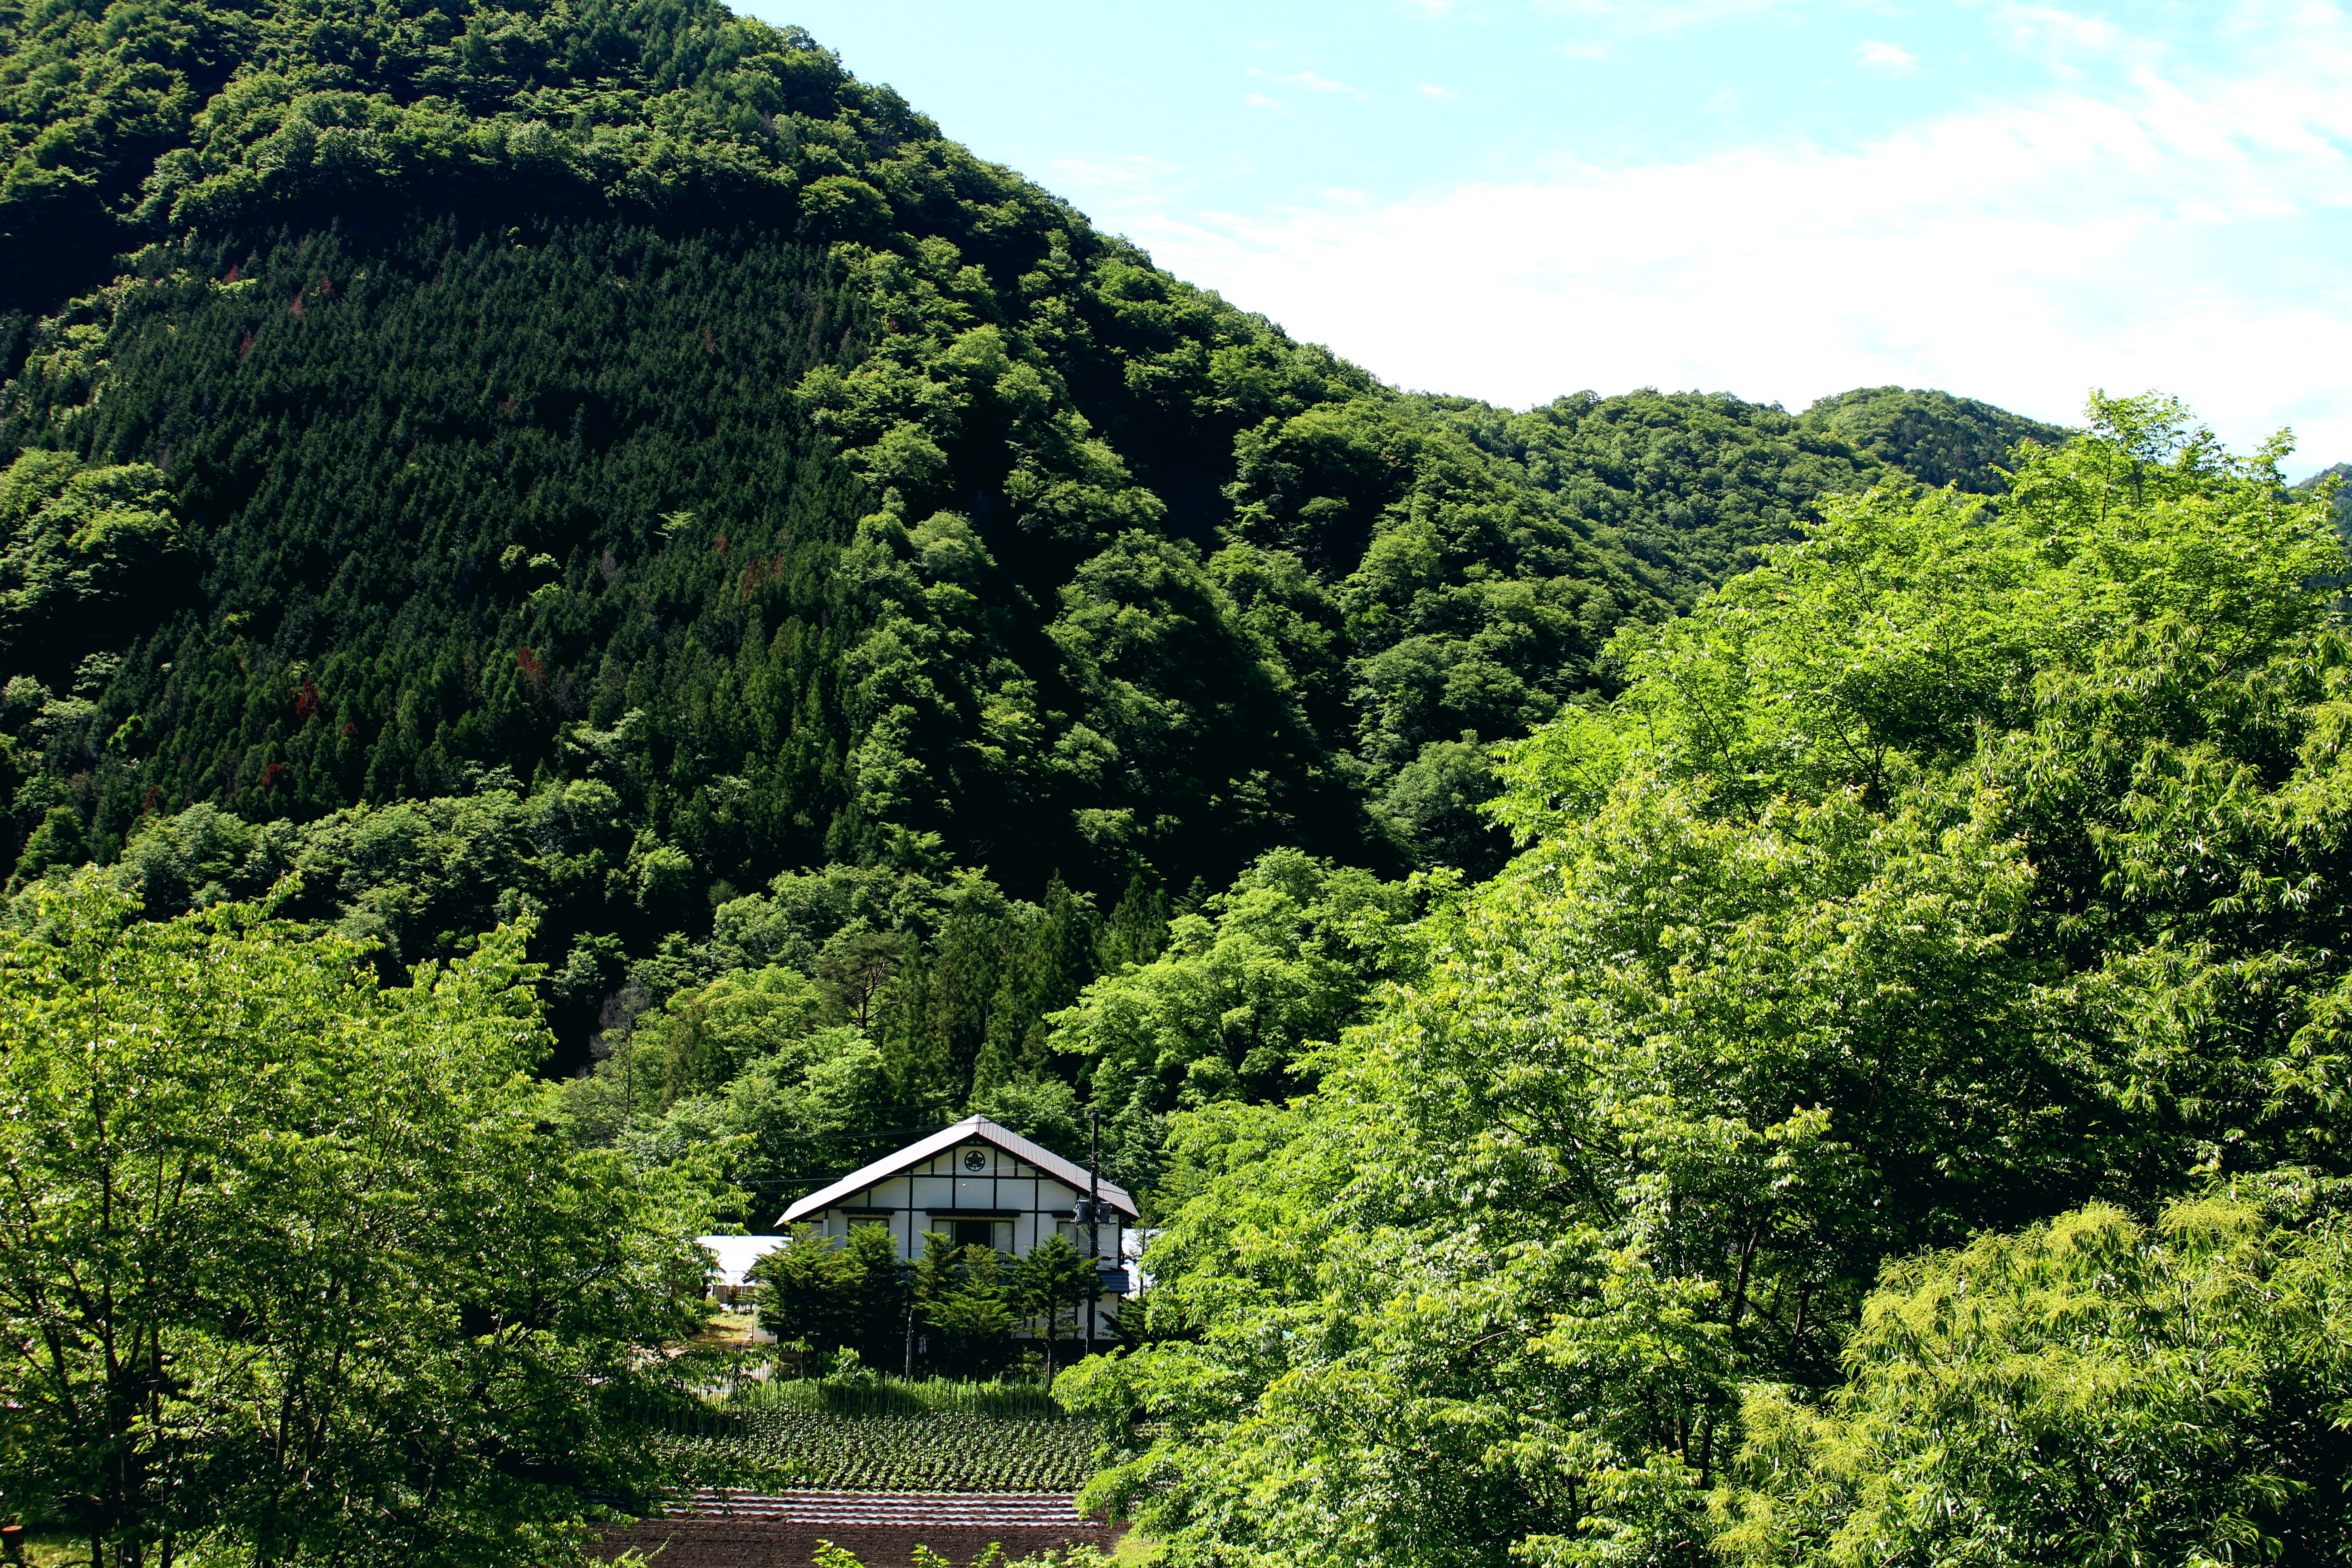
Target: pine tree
x,y
1044,976
1137,928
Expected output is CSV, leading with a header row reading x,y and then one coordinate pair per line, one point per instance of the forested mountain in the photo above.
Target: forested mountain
x,y
668,463
2341,504
612,466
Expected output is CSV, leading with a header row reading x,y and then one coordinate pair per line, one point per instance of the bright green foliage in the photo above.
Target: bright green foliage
x,y
703,1037
860,1390
788,1080
2332,480
80,542
1951,871
293,1264
806,1291
1285,959
2092,1391
832,1557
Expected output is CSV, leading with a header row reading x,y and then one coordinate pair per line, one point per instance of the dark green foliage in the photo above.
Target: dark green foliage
x,y
1933,436
1691,483
450,550
833,1296
1052,1277
967,1301
707,427
1435,803
122,122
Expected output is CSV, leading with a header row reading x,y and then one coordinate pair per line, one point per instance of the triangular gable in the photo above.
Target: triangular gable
x,y
946,1137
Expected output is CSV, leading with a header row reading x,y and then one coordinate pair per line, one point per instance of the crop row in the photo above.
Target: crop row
x,y
774,1448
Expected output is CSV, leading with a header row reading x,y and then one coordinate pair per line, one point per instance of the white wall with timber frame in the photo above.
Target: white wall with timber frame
x,y
970,1175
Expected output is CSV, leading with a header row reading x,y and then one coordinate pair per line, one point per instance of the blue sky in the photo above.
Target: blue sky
x,y
1514,199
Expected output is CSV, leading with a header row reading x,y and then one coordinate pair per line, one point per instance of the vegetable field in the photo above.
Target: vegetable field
x,y
945,1451
897,1397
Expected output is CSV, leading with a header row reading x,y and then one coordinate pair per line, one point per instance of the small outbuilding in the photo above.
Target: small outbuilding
x,y
732,1260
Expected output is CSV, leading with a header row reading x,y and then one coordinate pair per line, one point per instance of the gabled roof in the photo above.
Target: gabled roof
x,y
969,1129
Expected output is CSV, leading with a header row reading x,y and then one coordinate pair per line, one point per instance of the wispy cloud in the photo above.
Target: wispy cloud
x,y
2050,27
1630,17
1892,59
1663,15
1426,90
1315,83
2172,229
1132,171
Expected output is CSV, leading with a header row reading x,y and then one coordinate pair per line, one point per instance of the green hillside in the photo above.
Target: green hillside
x,y
608,464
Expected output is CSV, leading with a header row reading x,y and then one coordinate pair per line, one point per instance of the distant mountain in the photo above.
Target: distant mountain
x,y
1937,438
2342,473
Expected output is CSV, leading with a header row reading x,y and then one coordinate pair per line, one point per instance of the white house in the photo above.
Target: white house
x,y
979,1184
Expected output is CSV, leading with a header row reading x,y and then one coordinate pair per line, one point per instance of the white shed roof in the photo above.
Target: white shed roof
x,y
946,1137
736,1254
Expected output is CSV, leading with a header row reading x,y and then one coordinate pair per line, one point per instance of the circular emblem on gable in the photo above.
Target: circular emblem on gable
x,y
975,1160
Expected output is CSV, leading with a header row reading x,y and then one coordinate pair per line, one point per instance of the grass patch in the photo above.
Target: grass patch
x,y
898,1396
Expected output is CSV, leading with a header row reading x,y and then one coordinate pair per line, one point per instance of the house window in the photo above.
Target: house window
x,y
996,1233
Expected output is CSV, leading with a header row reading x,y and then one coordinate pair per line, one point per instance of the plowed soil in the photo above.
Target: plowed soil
x,y
742,1543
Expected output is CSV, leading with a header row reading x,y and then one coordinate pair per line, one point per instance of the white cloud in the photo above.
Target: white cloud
x,y
1260,101
1443,92
1892,59
2175,232
1589,49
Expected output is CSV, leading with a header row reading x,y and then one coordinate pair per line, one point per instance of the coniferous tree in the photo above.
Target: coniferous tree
x,y
1136,930
1043,974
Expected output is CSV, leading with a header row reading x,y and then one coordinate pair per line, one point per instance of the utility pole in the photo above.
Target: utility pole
x,y
910,1334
